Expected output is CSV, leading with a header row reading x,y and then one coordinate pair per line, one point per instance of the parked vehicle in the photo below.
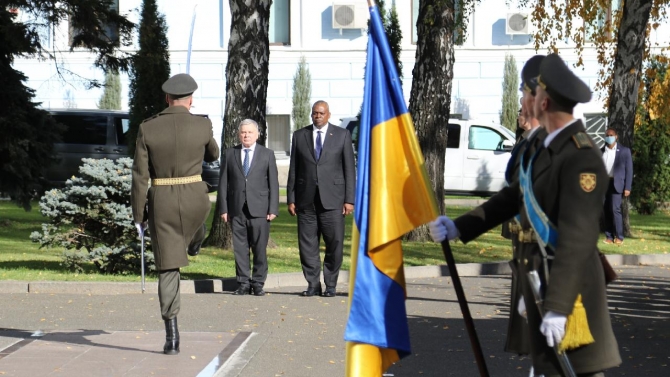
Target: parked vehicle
x,y
99,134
476,157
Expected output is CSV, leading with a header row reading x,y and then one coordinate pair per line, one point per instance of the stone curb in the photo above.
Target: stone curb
x,y
293,279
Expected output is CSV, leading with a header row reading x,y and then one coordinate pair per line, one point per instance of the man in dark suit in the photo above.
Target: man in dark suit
x,y
320,191
249,200
169,150
619,165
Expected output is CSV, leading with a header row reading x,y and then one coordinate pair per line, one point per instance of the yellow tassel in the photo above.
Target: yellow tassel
x,y
577,331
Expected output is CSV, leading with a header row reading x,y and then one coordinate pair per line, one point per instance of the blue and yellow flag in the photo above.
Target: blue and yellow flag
x,y
393,196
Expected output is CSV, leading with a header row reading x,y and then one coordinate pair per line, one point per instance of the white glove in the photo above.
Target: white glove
x,y
141,227
553,327
521,308
443,228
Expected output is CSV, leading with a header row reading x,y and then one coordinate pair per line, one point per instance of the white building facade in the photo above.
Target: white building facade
x,y
336,58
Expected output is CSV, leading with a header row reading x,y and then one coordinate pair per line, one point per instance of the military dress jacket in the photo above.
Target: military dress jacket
x,y
172,144
569,183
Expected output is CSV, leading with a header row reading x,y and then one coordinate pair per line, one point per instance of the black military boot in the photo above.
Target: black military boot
x,y
171,346
196,243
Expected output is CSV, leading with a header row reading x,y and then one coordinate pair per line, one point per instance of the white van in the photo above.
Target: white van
x,y
476,157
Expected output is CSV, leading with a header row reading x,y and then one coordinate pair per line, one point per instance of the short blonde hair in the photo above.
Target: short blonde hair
x,y
248,121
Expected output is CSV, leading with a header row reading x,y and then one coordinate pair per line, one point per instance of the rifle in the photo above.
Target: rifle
x,y
563,361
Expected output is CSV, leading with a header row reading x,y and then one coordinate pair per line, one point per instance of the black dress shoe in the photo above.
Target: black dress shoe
x,y
257,291
329,292
242,290
311,291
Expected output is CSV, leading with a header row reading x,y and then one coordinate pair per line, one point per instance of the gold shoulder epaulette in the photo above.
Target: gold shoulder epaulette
x,y
582,140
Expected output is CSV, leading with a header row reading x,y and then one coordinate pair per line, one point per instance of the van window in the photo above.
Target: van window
x,y
484,138
86,129
121,127
454,136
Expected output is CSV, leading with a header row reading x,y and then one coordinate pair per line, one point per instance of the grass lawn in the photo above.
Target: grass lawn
x,y
20,259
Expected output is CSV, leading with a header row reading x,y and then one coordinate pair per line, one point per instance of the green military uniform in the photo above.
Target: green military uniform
x,y
569,184
169,152
518,334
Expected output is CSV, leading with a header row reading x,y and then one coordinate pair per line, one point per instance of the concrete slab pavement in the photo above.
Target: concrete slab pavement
x,y
297,336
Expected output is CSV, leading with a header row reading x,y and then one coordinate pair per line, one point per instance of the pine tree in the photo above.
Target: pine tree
x,y
510,97
394,34
149,70
302,93
111,97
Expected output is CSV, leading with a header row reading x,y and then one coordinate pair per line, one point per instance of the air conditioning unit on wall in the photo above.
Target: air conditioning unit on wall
x,y
350,15
517,24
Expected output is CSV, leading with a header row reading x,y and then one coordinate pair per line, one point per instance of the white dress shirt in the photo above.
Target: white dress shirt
x,y
555,133
608,156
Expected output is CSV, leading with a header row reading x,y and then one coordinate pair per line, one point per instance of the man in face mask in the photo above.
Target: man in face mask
x,y
619,165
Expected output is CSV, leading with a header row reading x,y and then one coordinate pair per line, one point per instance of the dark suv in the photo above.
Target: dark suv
x,y
99,134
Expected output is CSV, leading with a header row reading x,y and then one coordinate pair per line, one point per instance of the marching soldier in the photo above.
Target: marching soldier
x,y
559,195
169,151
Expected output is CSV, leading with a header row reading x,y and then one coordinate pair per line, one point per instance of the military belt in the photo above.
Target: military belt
x,y
527,236
514,227
176,181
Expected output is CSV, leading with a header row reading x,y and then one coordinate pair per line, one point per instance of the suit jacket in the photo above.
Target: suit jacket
x,y
622,171
172,144
569,183
335,171
259,189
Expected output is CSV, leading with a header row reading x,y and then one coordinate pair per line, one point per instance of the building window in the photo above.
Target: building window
x,y
459,29
280,22
603,18
111,30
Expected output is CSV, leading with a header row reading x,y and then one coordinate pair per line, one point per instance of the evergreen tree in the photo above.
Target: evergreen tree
x,y
394,35
111,97
510,97
28,134
149,70
302,93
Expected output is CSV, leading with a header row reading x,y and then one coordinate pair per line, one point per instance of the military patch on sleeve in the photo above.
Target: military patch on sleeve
x,y
582,140
587,181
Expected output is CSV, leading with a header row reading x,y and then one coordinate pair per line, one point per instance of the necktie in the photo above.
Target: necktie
x,y
245,166
319,145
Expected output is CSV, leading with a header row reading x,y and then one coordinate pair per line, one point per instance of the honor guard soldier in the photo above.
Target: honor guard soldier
x,y
169,152
559,196
518,338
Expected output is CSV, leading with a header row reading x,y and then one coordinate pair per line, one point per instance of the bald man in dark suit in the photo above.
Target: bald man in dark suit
x,y
320,191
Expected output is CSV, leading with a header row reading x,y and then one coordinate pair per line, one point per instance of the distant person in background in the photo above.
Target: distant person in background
x,y
249,197
619,165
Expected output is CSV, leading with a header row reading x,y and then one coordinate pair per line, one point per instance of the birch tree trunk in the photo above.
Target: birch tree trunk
x,y
626,77
246,86
430,97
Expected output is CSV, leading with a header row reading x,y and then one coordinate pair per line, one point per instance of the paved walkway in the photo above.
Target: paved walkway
x,y
282,334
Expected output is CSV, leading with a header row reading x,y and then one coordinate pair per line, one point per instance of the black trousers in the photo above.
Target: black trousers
x,y
613,216
250,233
315,221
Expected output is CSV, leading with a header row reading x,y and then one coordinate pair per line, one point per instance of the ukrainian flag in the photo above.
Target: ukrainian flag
x,y
393,196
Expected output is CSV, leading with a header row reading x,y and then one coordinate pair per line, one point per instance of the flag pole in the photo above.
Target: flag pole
x,y
462,302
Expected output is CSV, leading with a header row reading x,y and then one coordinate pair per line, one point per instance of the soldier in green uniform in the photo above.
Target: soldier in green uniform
x,y
518,338
169,152
559,195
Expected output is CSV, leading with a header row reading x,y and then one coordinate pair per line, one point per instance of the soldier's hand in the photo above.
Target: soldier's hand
x,y
141,227
553,327
292,209
521,308
443,228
